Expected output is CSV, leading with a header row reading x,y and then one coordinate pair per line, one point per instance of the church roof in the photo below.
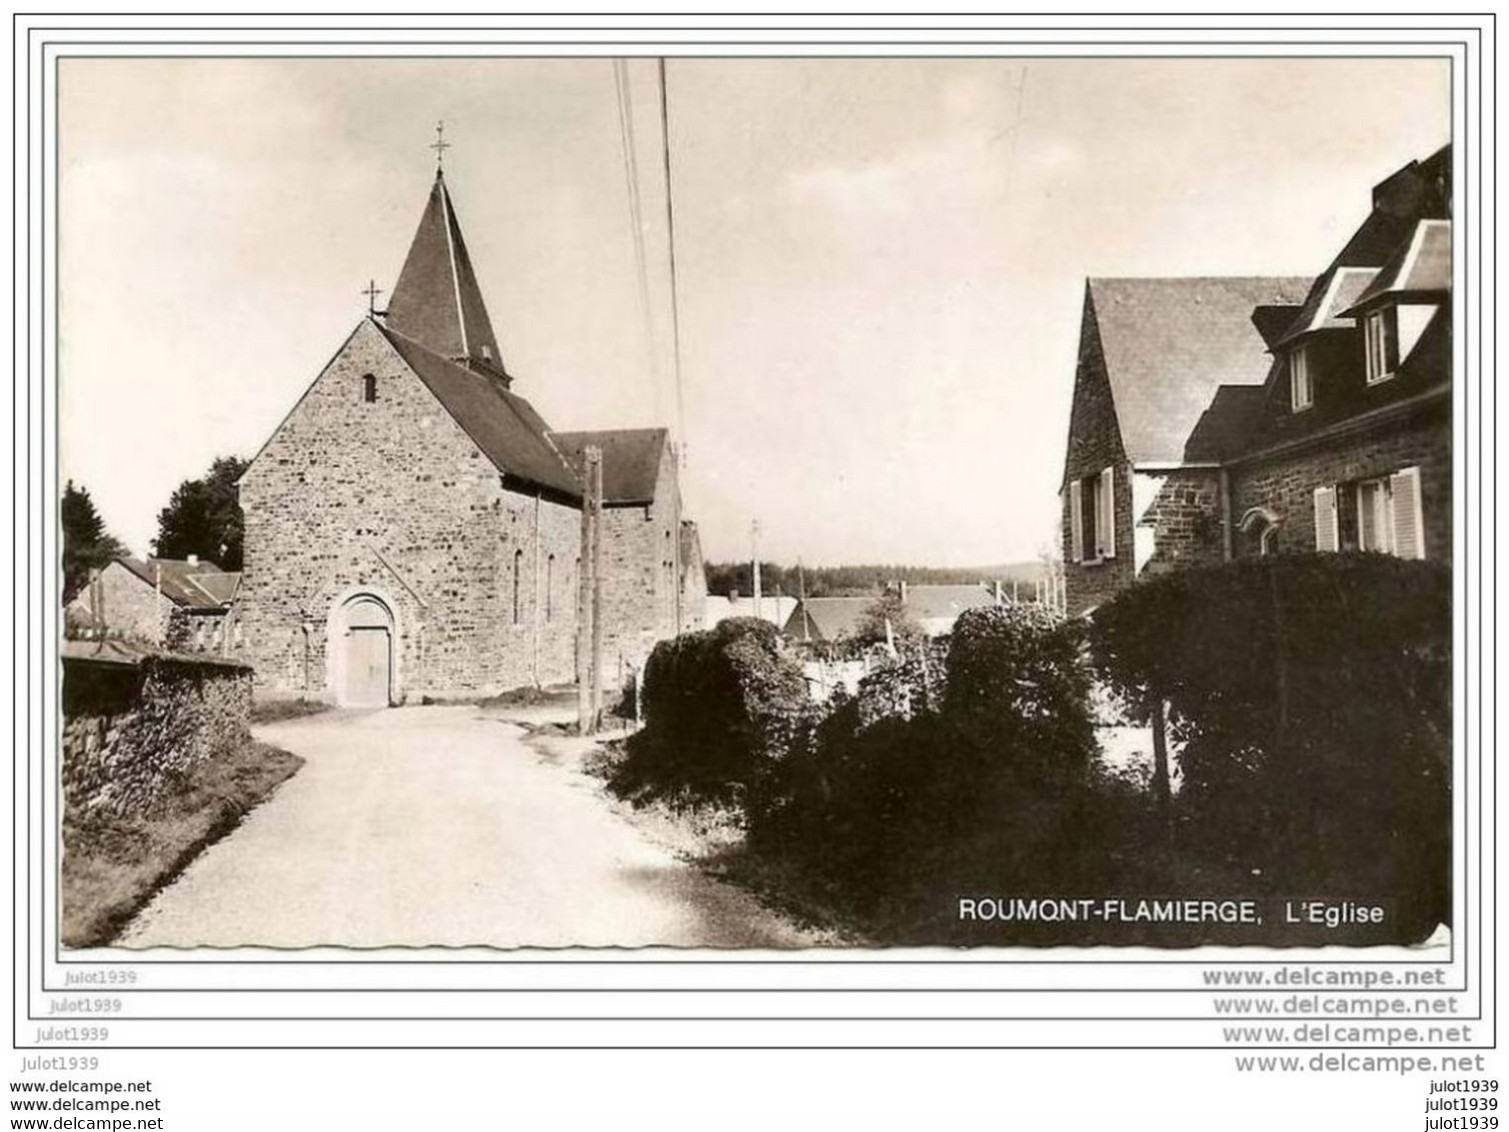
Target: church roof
x,y
502,424
436,301
631,460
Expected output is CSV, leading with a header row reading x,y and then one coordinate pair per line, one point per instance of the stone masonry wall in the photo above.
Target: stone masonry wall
x,y
1285,484
638,575
392,498
128,730
1184,520
130,607
1094,444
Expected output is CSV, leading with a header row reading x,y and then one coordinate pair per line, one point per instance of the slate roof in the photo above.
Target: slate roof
x,y
501,423
828,618
931,603
1323,307
195,586
437,301
1170,343
631,460
1420,267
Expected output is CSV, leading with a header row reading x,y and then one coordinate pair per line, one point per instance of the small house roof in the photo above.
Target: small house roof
x,y
828,617
929,602
631,460
197,586
1170,343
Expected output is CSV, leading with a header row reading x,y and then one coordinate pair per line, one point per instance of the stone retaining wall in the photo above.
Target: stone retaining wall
x,y
131,728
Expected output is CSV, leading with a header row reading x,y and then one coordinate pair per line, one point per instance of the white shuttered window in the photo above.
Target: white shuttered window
x,y
1408,519
1326,532
1076,522
1105,526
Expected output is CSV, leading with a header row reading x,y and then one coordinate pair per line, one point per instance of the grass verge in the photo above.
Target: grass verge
x,y
113,866
271,711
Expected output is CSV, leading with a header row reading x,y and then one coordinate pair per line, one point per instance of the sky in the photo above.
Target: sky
x,y
880,263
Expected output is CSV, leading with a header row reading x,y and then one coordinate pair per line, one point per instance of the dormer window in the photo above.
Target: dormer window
x,y
1301,384
369,388
1382,345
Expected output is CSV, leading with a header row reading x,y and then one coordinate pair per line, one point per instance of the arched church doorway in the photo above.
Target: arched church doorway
x,y
366,644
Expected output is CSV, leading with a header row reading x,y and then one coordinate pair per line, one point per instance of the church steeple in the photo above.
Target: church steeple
x,y
436,300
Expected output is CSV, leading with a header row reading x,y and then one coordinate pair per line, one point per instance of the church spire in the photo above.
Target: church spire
x,y
436,300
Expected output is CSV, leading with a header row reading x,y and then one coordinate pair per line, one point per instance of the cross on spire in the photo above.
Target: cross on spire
x,y
372,290
440,145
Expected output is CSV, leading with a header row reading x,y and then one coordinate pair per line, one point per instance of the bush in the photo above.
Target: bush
x,y
897,811
1018,684
719,705
907,687
1312,697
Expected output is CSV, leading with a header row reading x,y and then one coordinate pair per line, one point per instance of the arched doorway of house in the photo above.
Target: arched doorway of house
x,y
366,643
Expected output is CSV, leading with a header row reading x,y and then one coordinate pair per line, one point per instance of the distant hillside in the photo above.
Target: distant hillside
x,y
837,581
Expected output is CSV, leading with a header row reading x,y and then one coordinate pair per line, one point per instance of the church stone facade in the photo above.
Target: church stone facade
x,y
413,528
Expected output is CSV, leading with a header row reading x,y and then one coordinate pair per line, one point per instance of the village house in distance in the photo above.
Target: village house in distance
x,y
1220,418
413,527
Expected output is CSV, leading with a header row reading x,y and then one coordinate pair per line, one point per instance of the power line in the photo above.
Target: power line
x,y
670,226
636,217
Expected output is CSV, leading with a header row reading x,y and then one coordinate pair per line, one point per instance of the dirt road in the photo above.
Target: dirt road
x,y
438,826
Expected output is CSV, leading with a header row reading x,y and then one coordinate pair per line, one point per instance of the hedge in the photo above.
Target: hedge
x,y
893,812
1311,695
719,704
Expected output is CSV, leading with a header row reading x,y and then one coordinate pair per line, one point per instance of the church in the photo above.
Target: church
x,y
413,527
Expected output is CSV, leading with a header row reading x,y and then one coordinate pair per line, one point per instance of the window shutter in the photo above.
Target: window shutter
x,y
1105,529
1076,522
1325,519
1409,528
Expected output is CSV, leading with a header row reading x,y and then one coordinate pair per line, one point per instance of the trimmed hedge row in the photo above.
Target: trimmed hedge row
x,y
1311,695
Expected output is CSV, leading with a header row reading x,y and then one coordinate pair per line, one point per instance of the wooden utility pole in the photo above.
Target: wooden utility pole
x,y
754,547
589,635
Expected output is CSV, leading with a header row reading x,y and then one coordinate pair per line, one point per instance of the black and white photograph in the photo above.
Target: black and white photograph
x,y
820,505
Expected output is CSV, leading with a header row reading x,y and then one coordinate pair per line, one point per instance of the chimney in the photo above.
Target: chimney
x,y
193,560
733,593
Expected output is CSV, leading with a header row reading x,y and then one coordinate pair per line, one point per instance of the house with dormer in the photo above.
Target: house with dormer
x,y
1218,418
413,527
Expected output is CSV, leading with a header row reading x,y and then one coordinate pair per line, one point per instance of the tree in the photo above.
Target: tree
x,y
204,517
87,546
888,608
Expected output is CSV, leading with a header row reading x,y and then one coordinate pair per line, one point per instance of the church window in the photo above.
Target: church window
x,y
518,570
369,388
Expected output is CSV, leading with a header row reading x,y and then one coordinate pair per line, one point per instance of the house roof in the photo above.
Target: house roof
x,y
631,460
1170,343
1223,429
1419,189
501,423
1323,307
195,586
436,300
1422,266
830,617
934,602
